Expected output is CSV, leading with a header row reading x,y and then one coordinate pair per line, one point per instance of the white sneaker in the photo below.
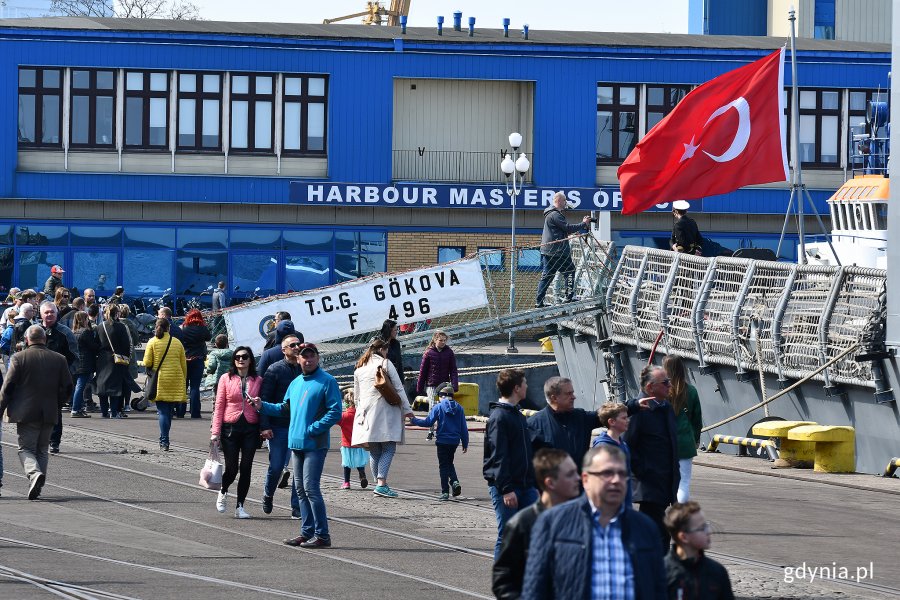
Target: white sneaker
x,y
220,501
240,513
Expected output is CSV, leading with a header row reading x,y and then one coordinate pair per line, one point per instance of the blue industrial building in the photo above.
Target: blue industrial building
x,y
173,154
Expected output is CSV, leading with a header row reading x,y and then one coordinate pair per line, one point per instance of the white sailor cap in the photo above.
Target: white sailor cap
x,y
681,205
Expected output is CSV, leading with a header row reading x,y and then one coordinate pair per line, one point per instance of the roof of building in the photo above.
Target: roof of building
x,y
429,34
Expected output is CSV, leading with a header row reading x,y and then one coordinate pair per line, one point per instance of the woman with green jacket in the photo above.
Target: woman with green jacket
x,y
165,353
688,420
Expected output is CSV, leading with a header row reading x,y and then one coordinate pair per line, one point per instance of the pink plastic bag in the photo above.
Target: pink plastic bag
x,y
211,473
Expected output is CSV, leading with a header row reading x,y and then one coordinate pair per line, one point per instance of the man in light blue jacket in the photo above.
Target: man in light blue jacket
x,y
313,401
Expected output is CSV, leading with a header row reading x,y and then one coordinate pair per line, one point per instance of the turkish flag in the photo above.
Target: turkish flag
x,y
725,134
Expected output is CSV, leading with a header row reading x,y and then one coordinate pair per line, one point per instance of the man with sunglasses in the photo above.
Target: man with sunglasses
x,y
652,437
595,546
276,380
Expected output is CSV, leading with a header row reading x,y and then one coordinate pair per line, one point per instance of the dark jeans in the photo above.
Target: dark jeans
x,y
194,378
56,436
525,496
308,466
81,382
279,454
164,412
445,453
110,405
550,264
656,512
239,441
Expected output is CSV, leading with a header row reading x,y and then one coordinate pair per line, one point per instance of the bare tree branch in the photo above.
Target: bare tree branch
x,y
127,9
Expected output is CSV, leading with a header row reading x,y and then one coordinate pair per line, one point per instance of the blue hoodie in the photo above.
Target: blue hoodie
x,y
605,438
313,403
451,419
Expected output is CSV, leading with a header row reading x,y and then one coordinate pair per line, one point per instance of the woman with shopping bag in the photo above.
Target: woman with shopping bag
x,y
235,426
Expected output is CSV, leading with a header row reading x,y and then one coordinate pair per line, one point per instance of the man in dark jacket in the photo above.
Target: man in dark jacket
x,y
174,330
507,452
560,424
281,315
685,233
557,256
277,379
53,282
36,385
595,546
61,340
274,354
558,480
653,440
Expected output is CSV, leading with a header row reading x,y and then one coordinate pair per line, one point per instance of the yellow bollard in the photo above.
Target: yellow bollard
x,y
835,446
546,344
794,452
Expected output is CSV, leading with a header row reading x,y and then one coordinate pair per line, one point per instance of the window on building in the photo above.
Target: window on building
x,y
868,153
820,112
823,20
252,113
146,109
199,111
40,107
304,103
529,260
93,122
661,99
617,121
448,253
491,258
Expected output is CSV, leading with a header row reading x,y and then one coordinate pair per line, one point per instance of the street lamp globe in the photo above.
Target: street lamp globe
x,y
507,166
522,164
515,140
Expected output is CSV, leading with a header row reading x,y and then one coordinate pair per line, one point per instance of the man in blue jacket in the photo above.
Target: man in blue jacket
x,y
507,452
313,401
595,546
560,424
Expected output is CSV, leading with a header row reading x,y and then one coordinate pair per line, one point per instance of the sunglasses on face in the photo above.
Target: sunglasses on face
x,y
295,344
241,357
445,395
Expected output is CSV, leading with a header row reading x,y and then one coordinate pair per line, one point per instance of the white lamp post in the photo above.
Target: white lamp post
x,y
515,177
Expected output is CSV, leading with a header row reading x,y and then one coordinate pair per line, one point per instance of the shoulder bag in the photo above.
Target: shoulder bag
x,y
119,359
385,387
152,381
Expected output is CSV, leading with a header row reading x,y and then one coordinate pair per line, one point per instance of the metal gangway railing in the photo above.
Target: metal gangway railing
x,y
780,318
595,262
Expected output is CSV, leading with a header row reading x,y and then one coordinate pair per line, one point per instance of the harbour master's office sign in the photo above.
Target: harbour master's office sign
x,y
421,195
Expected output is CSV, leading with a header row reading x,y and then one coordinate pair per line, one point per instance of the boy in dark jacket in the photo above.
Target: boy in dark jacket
x,y
507,452
451,430
691,575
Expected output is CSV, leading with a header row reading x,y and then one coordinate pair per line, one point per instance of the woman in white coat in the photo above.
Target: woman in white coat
x,y
378,425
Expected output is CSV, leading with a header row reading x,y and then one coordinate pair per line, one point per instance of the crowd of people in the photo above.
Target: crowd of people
x,y
566,527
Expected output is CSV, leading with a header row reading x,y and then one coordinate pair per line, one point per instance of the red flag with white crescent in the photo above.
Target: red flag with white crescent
x,y
724,135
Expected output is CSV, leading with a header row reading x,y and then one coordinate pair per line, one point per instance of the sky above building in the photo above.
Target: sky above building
x,y
657,16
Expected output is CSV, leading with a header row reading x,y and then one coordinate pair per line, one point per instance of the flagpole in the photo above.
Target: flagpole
x,y
797,178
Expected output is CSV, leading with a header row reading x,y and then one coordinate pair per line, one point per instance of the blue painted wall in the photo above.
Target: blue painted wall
x,y
360,99
727,17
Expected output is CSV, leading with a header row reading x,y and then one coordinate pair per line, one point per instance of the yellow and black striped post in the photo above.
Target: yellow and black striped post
x,y
745,442
892,467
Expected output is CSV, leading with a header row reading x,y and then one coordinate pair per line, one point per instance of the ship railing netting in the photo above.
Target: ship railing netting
x,y
594,263
785,319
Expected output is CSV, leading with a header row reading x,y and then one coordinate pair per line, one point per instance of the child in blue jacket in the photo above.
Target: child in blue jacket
x,y
451,430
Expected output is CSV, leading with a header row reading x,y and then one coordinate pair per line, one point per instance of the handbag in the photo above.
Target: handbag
x,y
385,387
119,359
211,473
153,376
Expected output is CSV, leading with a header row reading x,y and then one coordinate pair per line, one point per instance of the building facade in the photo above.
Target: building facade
x,y
847,20
174,154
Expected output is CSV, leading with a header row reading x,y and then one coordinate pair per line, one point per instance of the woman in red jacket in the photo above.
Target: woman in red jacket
x,y
236,425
